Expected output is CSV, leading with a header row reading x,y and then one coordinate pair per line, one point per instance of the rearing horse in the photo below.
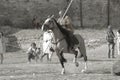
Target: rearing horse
x,y
61,45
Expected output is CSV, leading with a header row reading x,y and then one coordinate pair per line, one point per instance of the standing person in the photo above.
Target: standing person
x,y
110,38
48,46
2,46
33,52
118,41
36,22
66,24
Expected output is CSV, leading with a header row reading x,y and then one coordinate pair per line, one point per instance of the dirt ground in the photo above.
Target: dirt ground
x,y
15,65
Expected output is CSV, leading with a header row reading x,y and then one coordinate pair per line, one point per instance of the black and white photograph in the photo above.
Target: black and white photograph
x,y
59,39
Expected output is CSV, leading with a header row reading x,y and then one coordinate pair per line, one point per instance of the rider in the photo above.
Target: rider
x,y
66,23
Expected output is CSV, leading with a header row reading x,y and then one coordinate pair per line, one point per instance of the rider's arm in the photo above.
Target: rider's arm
x,y
68,24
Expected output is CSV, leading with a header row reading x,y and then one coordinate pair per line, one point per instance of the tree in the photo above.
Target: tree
x,y
108,12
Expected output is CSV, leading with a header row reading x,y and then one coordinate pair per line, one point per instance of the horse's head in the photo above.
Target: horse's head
x,y
49,24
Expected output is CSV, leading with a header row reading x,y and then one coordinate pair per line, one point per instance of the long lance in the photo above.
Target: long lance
x,y
67,9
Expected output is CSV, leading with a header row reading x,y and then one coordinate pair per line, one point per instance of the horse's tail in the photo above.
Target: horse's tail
x,y
81,47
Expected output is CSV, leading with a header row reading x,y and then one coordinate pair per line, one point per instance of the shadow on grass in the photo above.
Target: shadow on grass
x,y
100,60
103,71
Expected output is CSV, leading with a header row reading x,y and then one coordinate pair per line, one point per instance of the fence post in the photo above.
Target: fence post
x,y
81,16
108,12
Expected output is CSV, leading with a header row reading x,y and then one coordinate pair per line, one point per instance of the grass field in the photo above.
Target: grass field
x,y
15,65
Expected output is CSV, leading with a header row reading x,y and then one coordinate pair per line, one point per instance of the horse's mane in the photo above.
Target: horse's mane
x,y
64,31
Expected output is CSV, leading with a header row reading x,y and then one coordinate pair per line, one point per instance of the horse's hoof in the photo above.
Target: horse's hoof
x,y
77,64
33,74
83,71
62,73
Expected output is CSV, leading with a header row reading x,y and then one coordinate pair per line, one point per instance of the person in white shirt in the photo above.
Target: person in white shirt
x,y
2,46
48,46
118,42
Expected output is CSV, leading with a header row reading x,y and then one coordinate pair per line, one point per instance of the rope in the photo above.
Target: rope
x,y
67,9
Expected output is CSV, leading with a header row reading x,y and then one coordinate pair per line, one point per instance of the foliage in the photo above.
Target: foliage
x,y
19,13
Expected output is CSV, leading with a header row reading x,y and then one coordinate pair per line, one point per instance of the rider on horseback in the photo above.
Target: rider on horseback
x,y
66,24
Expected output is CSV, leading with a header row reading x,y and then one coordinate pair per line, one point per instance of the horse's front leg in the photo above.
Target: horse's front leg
x,y
75,58
83,54
63,68
76,54
85,68
62,60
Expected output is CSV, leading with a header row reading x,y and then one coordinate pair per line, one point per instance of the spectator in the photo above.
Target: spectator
x,y
2,46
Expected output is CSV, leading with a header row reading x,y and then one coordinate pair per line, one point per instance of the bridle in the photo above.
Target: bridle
x,y
56,42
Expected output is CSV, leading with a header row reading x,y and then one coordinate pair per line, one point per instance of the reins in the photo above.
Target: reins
x,y
59,41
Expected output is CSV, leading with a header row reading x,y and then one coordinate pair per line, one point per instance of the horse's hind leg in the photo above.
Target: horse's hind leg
x,y
75,58
82,50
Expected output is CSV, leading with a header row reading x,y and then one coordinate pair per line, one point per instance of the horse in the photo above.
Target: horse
x,y
111,44
61,46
